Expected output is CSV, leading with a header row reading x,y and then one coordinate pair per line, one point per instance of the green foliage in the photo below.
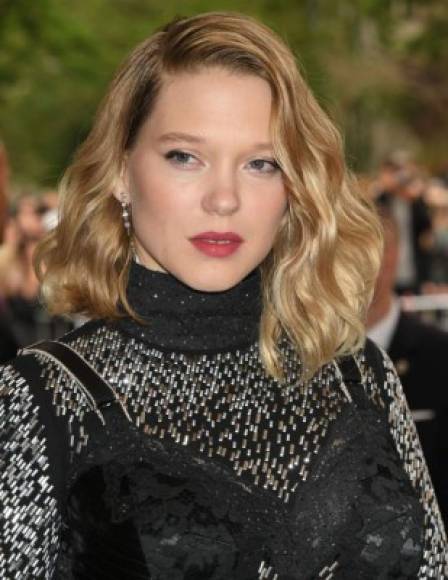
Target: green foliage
x,y
368,61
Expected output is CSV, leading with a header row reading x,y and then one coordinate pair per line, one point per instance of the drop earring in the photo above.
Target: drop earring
x,y
125,212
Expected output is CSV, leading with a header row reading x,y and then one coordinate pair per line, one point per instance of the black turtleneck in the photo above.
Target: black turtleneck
x,y
181,319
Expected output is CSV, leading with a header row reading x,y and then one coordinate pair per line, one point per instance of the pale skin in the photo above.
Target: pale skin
x,y
203,161
385,284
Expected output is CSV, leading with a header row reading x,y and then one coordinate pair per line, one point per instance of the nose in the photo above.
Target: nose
x,y
222,196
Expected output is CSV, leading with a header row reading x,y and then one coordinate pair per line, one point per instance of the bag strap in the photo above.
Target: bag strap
x,y
349,370
375,357
350,373
98,391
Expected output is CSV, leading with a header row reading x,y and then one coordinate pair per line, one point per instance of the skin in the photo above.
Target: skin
x,y
218,179
385,284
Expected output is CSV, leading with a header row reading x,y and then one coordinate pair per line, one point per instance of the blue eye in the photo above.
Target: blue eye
x,y
265,165
179,157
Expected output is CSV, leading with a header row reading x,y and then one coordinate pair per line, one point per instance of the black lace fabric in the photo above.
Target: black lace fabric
x,y
165,511
221,472
160,513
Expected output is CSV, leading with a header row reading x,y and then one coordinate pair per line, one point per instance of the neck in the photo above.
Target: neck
x,y
179,318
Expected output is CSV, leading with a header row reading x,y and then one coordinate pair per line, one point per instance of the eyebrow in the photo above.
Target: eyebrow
x,y
181,137
177,136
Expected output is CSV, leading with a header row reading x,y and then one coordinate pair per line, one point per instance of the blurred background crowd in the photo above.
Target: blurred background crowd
x,y
380,68
24,221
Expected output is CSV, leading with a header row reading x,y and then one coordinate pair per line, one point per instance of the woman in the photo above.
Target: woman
x,y
229,421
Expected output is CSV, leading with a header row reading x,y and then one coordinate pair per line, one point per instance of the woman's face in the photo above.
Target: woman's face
x,y
203,162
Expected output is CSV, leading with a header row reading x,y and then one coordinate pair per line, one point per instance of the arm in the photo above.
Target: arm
x,y
384,387
29,516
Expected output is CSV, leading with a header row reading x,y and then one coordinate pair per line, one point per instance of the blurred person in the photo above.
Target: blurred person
x,y
400,188
437,199
50,201
8,342
443,174
28,213
24,317
222,415
419,352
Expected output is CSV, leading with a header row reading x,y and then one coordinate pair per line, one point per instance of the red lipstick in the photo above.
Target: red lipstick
x,y
217,244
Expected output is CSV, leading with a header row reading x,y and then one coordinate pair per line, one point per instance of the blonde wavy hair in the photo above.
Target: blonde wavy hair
x,y
318,279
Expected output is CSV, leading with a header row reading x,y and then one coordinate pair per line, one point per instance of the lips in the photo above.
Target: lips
x,y
217,244
218,236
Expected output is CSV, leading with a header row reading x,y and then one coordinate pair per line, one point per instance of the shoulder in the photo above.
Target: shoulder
x,y
34,380
98,341
379,377
374,357
87,330
46,372
374,363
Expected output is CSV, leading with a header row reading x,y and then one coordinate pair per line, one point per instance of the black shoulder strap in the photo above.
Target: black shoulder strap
x,y
101,395
350,370
375,359
351,373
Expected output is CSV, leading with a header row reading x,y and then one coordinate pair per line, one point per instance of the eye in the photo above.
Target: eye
x,y
179,157
265,165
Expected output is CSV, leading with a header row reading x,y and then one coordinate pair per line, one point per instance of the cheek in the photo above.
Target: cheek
x,y
160,210
146,180
150,195
157,195
271,209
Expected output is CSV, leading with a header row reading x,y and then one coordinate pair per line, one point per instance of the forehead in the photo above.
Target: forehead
x,y
212,101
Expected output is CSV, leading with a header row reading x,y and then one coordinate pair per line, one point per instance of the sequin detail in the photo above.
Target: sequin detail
x,y
223,403
328,572
404,432
29,527
225,407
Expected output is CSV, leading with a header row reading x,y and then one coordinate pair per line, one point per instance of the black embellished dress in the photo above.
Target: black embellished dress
x,y
208,468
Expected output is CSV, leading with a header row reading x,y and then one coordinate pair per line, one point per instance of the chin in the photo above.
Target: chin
x,y
211,282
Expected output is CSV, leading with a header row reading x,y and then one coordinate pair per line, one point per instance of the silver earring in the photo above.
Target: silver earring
x,y
125,212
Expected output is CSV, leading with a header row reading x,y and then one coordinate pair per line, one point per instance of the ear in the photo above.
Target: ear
x,y
121,188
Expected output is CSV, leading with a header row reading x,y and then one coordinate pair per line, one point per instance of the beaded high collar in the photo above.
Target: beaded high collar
x,y
182,319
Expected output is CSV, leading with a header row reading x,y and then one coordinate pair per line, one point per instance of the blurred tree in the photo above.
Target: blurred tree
x,y
371,63
424,62
4,193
